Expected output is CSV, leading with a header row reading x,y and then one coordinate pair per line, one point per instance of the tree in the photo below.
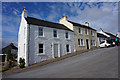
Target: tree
x,y
9,58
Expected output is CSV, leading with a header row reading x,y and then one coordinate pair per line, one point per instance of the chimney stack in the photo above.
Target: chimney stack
x,y
101,29
86,24
63,18
24,13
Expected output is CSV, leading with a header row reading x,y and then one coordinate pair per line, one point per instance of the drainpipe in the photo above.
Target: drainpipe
x,y
28,42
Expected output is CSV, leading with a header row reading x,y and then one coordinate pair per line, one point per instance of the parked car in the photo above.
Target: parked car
x,y
104,44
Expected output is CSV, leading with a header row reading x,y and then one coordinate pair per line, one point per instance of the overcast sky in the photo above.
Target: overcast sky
x,y
99,15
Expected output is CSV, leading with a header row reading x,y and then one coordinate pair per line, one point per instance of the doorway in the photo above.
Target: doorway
x,y
87,43
55,50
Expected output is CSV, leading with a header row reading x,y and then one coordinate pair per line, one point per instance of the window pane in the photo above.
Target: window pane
x,y
66,34
79,30
40,45
81,42
86,31
41,31
55,33
40,48
78,41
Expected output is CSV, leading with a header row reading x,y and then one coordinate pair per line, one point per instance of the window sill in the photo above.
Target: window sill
x,y
41,36
68,52
80,33
94,45
56,38
68,39
81,46
40,54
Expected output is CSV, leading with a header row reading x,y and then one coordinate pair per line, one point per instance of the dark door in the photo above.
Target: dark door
x,y
87,43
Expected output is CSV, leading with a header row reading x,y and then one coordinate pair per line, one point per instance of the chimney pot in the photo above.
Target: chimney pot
x,y
86,24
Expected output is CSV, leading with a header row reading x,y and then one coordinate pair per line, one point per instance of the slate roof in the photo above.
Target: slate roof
x,y
9,47
101,35
80,25
111,35
44,23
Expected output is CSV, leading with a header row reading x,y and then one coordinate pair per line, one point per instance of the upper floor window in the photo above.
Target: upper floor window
x,y
92,33
93,42
86,31
40,31
66,35
55,33
80,42
80,31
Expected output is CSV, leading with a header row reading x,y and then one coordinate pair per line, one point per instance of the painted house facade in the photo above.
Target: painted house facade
x,y
41,40
85,37
101,38
107,34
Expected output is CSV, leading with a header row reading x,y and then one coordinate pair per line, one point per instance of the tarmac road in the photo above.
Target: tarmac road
x,y
100,63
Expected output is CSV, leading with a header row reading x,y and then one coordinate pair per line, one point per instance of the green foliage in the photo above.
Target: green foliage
x,y
9,55
22,63
4,68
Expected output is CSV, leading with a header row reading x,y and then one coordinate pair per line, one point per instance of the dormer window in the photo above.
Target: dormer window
x,y
40,31
80,31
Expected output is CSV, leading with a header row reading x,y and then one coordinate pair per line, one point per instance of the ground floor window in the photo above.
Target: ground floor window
x,y
67,48
80,42
93,42
40,48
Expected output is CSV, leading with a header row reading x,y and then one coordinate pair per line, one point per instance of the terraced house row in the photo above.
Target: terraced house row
x,y
40,40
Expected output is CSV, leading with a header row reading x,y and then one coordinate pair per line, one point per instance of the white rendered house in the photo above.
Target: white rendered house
x,y
40,40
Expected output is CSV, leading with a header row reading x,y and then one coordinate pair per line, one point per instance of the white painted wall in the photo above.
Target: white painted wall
x,y
22,38
101,32
118,34
66,23
48,41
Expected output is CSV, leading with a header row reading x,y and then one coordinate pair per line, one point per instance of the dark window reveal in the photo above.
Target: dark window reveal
x,y
40,48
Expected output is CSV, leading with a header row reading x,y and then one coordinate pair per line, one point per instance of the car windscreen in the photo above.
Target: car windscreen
x,y
102,42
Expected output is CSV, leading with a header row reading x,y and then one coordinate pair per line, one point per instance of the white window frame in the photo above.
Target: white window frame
x,y
80,42
43,49
92,32
56,33
87,31
68,35
93,43
42,31
80,30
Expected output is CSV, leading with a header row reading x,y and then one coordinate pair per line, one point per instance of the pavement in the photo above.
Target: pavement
x,y
100,63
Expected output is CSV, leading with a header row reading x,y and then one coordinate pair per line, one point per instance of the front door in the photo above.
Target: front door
x,y
87,43
55,50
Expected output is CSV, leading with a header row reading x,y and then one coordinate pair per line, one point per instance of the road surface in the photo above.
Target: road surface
x,y
100,63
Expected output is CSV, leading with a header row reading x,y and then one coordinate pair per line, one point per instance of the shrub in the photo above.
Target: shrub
x,y
4,68
22,63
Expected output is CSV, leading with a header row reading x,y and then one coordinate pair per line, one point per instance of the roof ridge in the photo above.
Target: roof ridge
x,y
45,20
81,24
40,22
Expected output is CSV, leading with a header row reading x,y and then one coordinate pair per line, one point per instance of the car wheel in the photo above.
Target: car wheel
x,y
105,46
